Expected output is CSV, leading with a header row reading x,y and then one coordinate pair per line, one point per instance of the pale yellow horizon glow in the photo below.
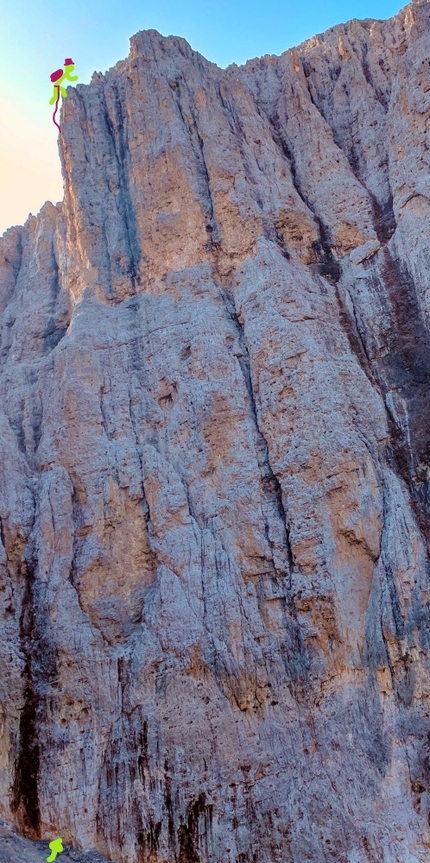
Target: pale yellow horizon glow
x,y
30,171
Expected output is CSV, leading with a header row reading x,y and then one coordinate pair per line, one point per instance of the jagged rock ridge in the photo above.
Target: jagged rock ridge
x,y
214,494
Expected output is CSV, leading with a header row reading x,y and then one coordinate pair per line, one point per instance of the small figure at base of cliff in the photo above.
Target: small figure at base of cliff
x,y
56,847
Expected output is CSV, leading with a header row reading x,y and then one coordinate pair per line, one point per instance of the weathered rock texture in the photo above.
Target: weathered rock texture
x,y
215,481
15,849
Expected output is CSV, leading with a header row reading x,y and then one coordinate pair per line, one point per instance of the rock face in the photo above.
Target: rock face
x,y
15,849
215,479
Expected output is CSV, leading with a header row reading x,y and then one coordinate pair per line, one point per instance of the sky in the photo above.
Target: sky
x,y
37,35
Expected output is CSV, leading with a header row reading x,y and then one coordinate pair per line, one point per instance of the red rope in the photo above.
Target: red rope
x,y
56,106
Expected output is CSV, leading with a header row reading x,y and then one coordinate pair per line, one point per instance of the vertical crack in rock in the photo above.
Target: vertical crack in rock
x,y
25,791
17,426
168,802
401,670
107,271
13,257
328,267
271,230
362,58
145,504
197,827
398,658
293,653
2,536
55,279
197,144
106,425
52,334
17,262
73,577
143,756
395,606
124,201
406,371
270,482
384,221
279,138
348,320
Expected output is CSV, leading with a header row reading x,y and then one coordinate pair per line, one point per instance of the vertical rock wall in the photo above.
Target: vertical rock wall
x,y
214,490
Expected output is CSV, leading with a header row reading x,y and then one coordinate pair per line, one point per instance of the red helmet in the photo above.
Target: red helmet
x,y
69,62
56,75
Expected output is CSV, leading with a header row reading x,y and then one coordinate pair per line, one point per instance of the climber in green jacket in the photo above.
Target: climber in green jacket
x,y
56,847
59,76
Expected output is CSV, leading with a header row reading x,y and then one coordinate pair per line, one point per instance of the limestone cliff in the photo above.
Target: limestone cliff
x,y
215,479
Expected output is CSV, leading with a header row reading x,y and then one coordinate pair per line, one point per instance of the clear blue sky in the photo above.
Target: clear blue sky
x,y
36,36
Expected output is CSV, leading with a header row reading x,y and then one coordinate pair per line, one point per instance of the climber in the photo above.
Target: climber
x,y
56,847
56,78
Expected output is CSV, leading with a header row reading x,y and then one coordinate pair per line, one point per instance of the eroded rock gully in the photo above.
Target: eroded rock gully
x,y
214,491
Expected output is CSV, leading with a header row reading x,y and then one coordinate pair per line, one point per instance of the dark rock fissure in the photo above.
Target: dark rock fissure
x,y
214,237
17,263
279,138
55,282
198,824
270,482
106,425
384,221
328,267
52,334
124,199
107,269
144,502
25,790
169,805
17,427
406,370
350,327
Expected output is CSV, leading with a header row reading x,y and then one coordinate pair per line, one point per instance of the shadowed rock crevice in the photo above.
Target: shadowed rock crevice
x,y
401,370
349,323
328,266
183,96
25,791
124,201
16,260
53,334
270,482
197,827
384,221
406,371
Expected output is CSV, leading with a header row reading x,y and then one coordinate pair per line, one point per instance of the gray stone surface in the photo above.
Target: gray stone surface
x,y
16,849
214,489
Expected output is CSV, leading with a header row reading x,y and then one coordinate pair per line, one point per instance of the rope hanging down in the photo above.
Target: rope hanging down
x,y
56,106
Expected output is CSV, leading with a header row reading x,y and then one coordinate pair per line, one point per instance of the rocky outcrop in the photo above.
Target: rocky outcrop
x,y
16,849
214,493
